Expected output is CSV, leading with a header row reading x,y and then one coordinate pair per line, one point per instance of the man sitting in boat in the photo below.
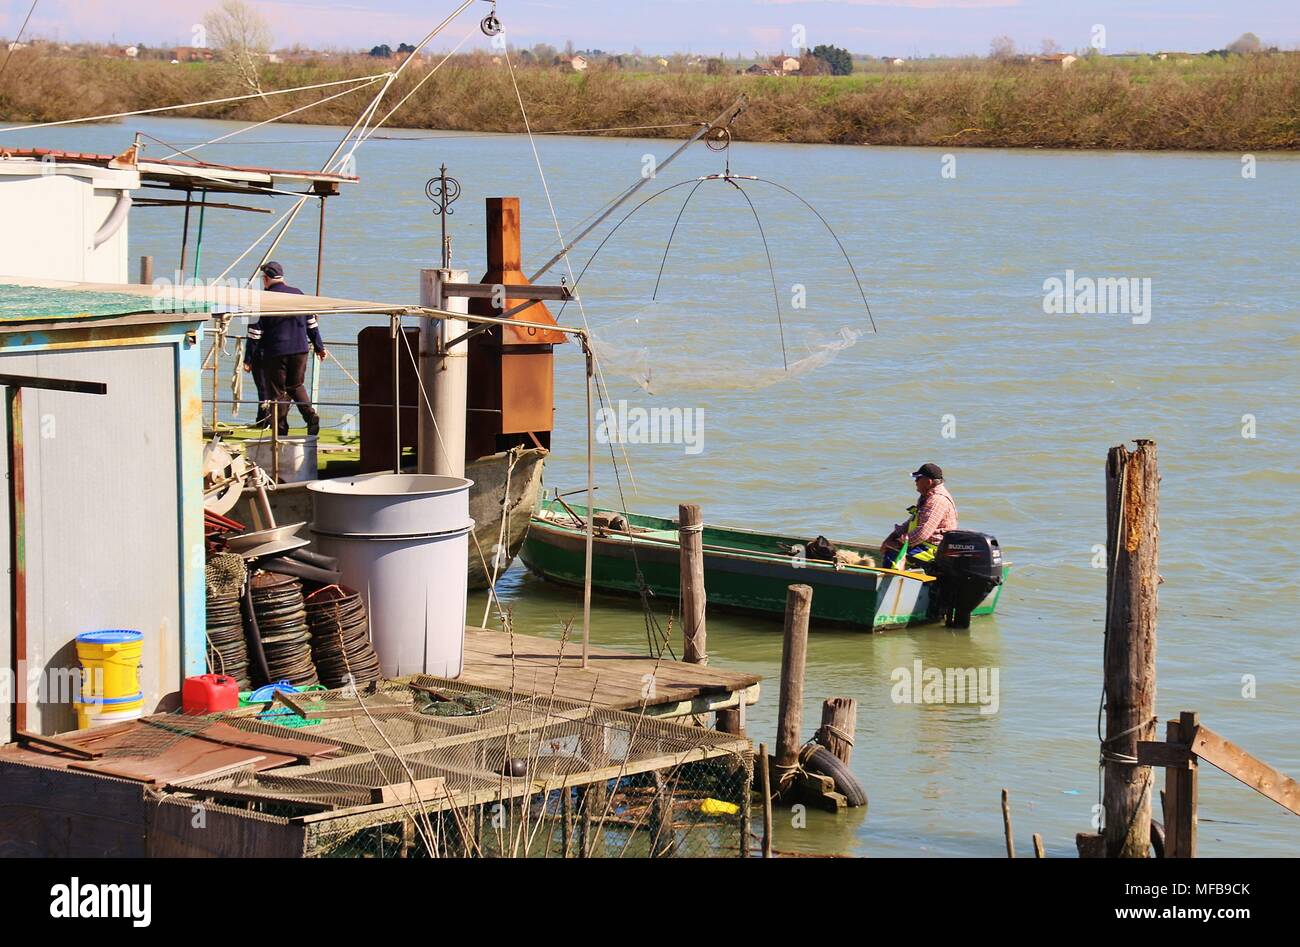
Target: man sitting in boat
x,y
934,514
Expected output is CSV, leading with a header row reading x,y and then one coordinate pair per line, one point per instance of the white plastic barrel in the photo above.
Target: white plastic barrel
x,y
402,541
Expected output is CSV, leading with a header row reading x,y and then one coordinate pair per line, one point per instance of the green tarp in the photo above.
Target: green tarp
x,y
26,303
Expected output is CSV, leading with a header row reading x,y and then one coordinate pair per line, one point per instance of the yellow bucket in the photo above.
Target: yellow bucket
x,y
111,661
101,713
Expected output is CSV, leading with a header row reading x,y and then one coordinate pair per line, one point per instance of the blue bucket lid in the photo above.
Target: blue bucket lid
x,y
109,701
268,691
109,637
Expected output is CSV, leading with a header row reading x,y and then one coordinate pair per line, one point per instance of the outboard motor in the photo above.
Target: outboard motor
x,y
969,567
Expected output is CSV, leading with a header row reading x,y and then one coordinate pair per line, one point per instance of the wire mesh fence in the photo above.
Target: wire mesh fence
x,y
431,768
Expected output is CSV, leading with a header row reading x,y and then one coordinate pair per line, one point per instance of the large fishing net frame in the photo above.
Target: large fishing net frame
x,y
428,767
727,177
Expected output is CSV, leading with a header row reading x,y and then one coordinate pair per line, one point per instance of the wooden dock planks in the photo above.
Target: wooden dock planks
x,y
613,679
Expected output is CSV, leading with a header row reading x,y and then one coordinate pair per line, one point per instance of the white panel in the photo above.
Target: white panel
x,y
102,513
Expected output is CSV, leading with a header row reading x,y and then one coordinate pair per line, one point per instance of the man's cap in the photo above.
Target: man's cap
x,y
272,269
933,471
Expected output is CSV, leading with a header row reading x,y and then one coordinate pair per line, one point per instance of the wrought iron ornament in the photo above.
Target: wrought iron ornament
x,y
443,191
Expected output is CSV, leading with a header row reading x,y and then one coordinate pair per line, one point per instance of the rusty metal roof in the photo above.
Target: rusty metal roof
x,y
198,175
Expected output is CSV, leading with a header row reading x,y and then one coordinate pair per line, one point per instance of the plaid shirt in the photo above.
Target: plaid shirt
x,y
937,515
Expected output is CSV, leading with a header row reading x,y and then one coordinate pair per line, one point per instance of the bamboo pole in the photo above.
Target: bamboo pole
x,y
794,653
690,531
1133,541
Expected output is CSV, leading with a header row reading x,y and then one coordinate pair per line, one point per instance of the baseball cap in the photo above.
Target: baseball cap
x,y
933,471
272,269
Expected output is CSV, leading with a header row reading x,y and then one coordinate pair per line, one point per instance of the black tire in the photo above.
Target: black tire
x,y
1158,838
823,761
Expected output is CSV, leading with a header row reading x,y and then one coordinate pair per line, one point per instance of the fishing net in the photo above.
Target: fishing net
x,y
635,348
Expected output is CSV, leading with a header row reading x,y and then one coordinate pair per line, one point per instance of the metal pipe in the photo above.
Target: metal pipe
x,y
185,234
444,378
396,323
591,504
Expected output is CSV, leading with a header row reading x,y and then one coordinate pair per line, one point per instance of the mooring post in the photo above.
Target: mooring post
x,y
794,654
146,271
1006,824
1039,850
765,786
1132,546
839,724
690,532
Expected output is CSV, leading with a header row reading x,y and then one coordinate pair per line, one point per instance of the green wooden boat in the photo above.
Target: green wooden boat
x,y
743,570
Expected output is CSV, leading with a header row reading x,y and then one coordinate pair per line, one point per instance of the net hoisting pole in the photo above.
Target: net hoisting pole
x,y
726,117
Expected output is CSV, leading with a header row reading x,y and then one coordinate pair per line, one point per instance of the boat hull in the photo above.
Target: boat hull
x,y
747,579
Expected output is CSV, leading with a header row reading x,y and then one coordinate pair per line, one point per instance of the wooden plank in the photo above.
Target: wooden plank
x,y
1240,765
177,830
54,813
422,790
1188,783
1159,753
64,746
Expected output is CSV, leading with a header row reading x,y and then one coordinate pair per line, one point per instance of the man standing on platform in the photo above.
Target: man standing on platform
x,y
277,349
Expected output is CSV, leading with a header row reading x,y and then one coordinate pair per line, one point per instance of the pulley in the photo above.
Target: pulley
x,y
490,25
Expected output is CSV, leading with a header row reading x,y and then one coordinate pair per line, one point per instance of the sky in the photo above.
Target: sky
x,y
875,27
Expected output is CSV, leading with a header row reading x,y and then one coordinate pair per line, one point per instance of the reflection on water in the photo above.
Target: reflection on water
x,y
954,271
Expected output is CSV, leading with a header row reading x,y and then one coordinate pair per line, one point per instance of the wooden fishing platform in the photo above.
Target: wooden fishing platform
x,y
617,680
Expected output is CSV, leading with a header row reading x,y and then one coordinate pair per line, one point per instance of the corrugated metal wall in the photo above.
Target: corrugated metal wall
x,y
103,515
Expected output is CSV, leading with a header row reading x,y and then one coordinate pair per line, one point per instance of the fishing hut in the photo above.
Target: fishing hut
x,y
104,443
577,745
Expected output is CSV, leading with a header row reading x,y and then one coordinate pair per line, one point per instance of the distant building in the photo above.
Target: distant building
x,y
191,54
758,69
788,65
14,46
1063,60
578,64
131,52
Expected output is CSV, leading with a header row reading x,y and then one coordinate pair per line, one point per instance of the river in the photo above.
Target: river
x,y
968,370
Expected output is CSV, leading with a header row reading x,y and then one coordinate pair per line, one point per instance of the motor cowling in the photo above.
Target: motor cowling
x,y
968,566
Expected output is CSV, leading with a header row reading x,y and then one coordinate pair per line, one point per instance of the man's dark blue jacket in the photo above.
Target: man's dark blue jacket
x,y
270,336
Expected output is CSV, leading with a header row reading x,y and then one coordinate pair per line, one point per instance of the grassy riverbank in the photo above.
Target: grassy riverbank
x,y
1239,103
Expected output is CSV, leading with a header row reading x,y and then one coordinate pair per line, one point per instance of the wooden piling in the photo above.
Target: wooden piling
x,y
1006,824
794,653
146,271
1181,791
1133,541
765,784
839,724
1039,851
690,531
